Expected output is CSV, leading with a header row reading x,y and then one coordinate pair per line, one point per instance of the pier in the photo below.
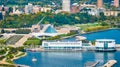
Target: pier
x,y
91,64
117,46
110,63
36,49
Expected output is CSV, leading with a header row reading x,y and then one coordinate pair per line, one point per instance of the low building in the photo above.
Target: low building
x,y
28,8
111,13
36,9
62,45
4,8
67,29
45,9
17,12
35,28
63,30
75,8
94,12
58,11
44,30
105,45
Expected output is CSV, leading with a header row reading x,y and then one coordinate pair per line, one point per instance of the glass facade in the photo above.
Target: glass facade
x,y
59,48
50,30
62,45
105,46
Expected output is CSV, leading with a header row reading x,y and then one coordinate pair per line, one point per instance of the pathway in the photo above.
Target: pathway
x,y
22,40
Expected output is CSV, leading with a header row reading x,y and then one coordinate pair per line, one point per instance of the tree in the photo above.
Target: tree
x,y
22,31
2,31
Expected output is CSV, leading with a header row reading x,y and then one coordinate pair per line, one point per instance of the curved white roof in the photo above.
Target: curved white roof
x,y
45,34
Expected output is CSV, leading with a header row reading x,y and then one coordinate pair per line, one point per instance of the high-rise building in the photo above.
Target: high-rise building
x,y
100,3
116,3
66,5
29,8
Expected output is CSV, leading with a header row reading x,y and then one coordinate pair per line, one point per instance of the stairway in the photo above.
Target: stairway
x,y
22,40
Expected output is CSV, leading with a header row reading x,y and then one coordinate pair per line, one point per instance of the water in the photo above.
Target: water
x,y
108,34
67,59
74,59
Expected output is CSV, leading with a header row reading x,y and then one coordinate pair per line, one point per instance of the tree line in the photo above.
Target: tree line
x,y
18,21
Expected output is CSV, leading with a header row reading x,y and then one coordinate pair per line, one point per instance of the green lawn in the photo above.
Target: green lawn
x,y
33,41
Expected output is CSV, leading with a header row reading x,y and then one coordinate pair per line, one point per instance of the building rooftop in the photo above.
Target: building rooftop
x,y
105,40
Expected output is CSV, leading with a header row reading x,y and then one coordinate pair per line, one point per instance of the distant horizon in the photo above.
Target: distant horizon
x,y
14,2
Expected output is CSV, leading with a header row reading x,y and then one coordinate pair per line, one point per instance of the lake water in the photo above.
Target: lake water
x,y
107,34
67,59
74,59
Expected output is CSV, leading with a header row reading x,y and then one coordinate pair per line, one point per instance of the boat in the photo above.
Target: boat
x,y
34,59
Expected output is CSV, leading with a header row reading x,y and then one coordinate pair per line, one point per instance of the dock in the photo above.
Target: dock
x,y
35,49
110,63
117,46
91,64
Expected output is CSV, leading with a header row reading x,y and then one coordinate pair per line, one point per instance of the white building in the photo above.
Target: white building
x,y
16,11
94,12
28,8
105,45
67,29
62,45
36,9
46,9
46,30
111,13
66,5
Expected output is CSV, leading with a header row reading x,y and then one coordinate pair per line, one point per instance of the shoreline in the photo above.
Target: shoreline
x,y
7,63
80,34
91,48
19,56
96,31
100,31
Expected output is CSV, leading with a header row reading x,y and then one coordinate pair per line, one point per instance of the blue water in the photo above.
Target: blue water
x,y
108,34
67,59
74,59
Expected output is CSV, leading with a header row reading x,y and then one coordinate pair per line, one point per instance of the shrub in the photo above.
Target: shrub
x,y
22,31
97,28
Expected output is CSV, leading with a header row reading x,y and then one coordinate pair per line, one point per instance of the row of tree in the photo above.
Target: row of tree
x,y
16,21
62,18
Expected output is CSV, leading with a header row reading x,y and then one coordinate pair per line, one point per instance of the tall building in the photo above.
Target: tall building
x,y
100,3
116,3
29,8
66,5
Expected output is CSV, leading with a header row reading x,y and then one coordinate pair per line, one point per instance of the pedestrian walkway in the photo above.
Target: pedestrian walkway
x,y
22,40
